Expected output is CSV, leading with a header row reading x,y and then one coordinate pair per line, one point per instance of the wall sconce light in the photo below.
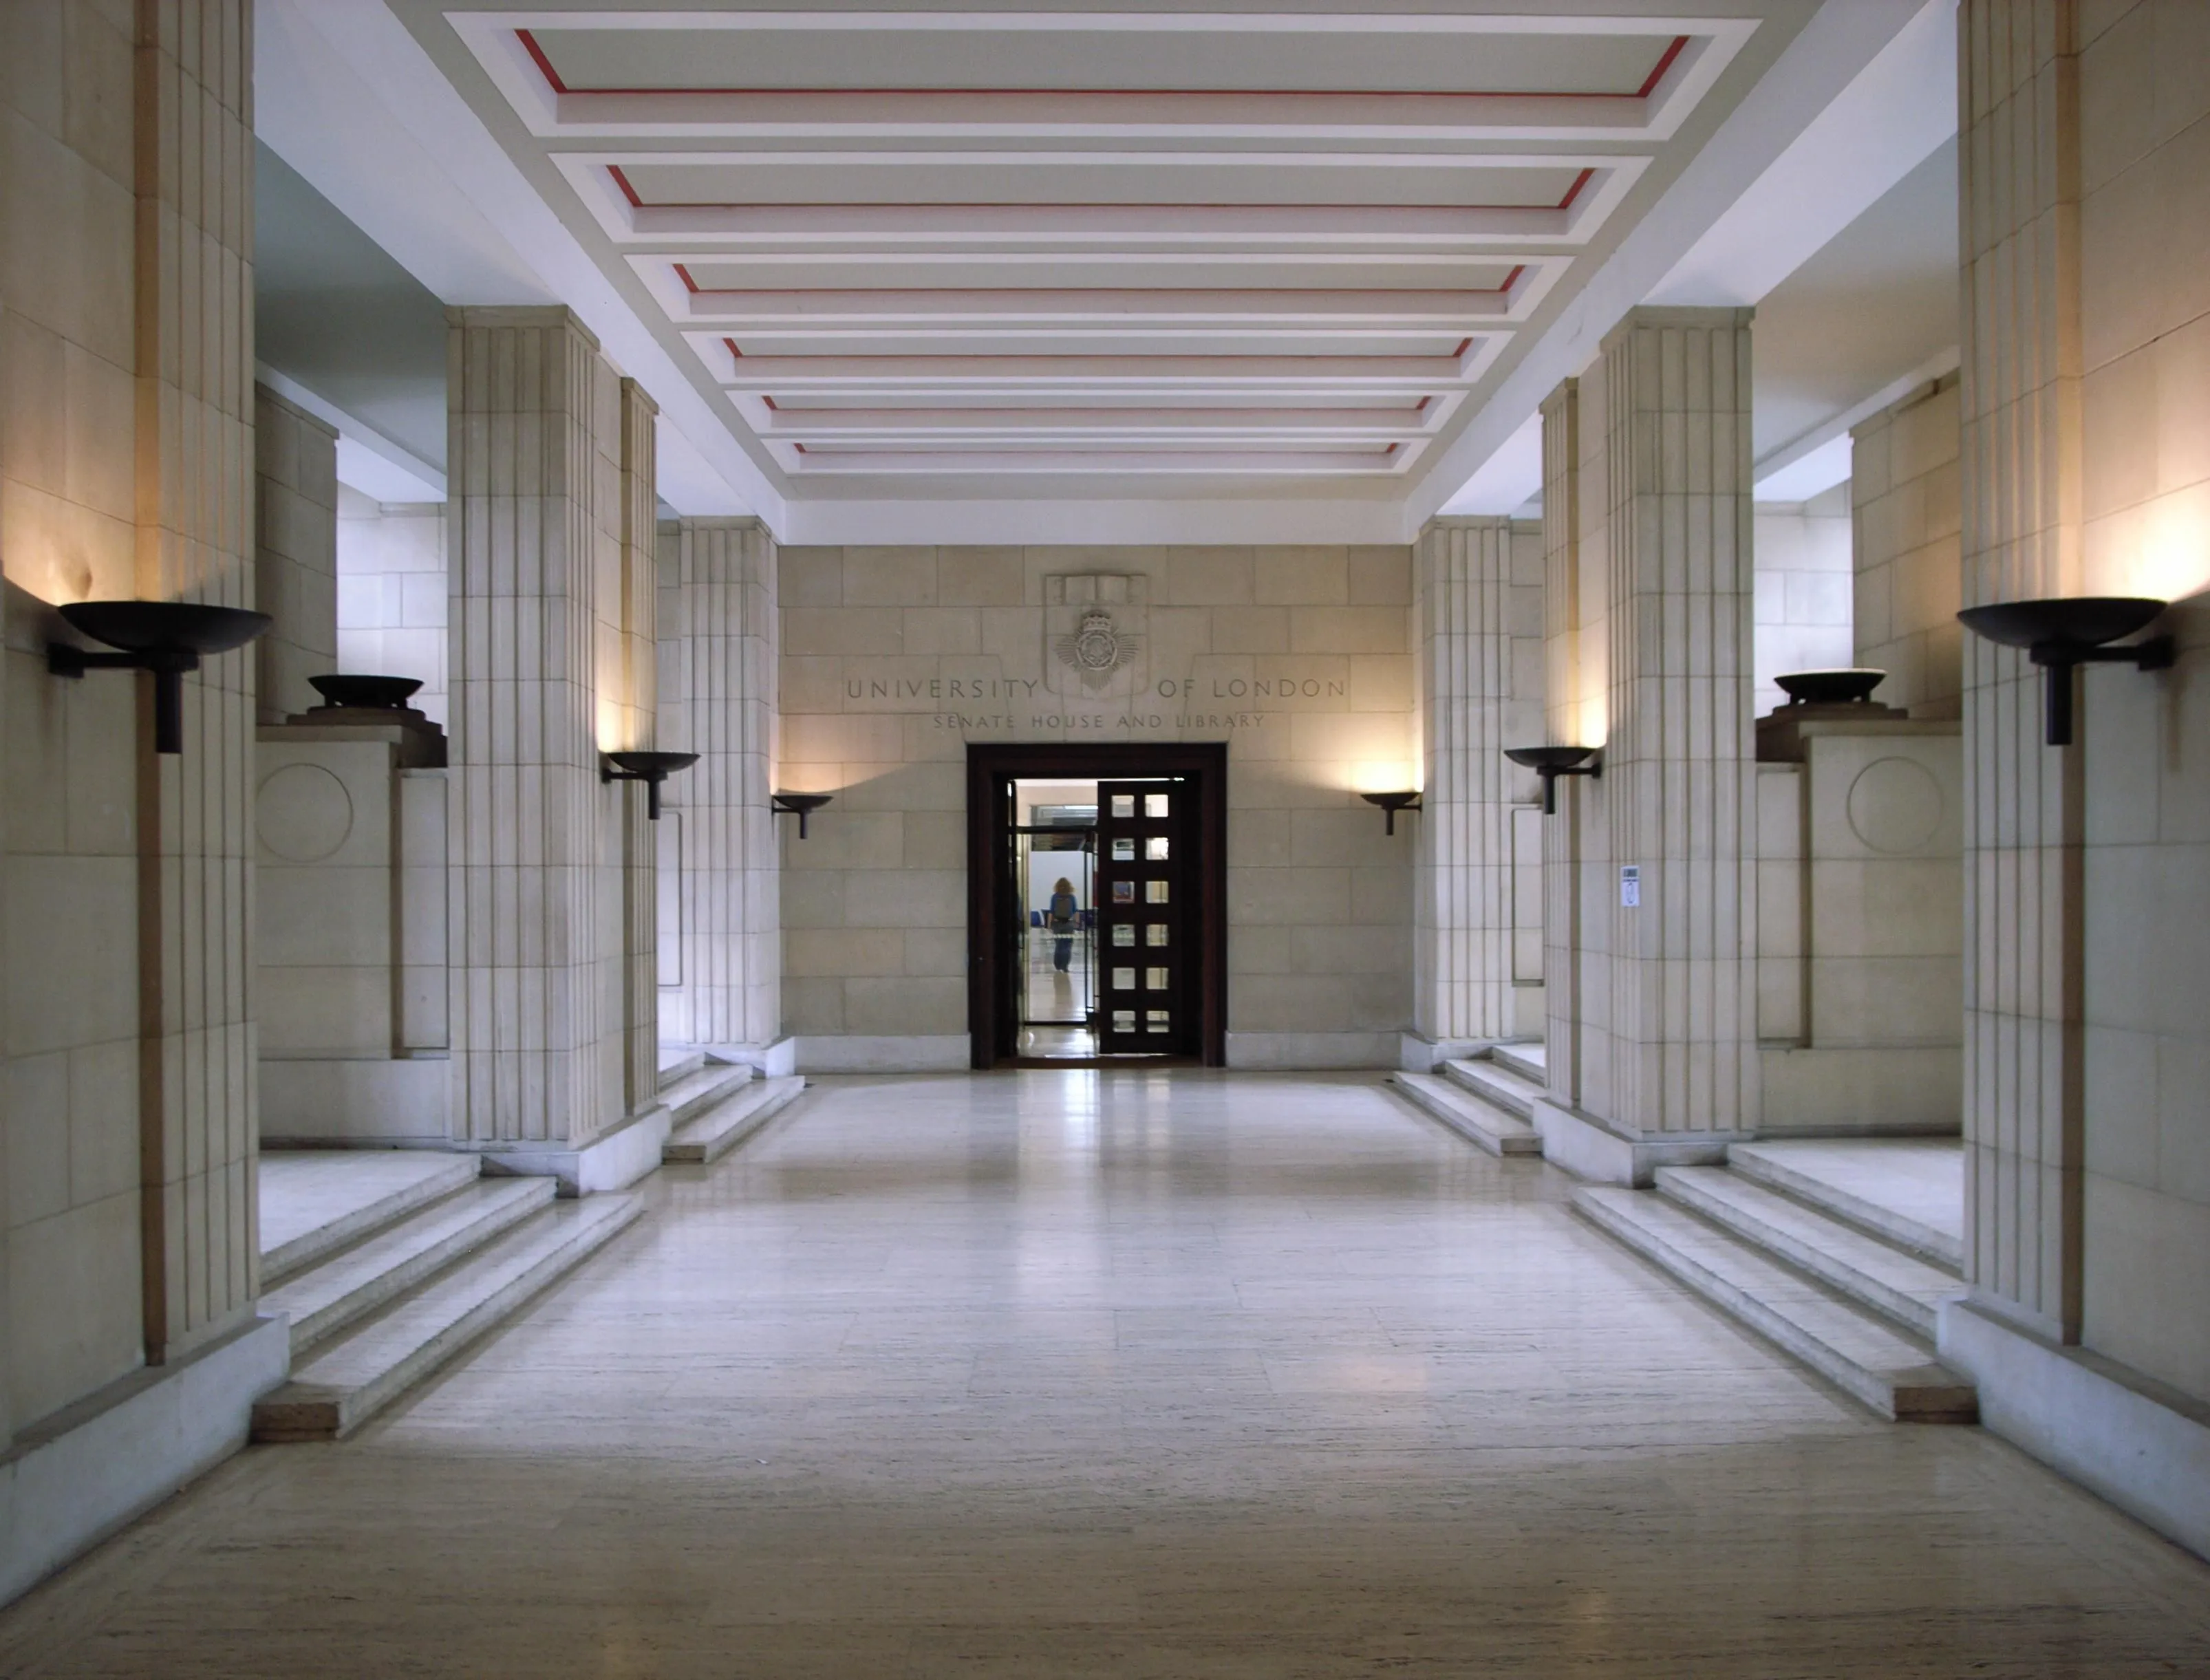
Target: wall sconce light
x,y
650,768
1552,762
802,806
2061,634
167,637
1392,804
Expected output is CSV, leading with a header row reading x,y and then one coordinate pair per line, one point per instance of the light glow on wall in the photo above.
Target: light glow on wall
x,y
2172,560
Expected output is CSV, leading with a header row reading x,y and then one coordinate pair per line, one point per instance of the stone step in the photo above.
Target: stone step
x,y
1863,1353
317,1201
1497,1084
696,1093
1529,1060
354,1375
722,1127
1480,1122
1772,1165
354,1282
678,1061
1897,1284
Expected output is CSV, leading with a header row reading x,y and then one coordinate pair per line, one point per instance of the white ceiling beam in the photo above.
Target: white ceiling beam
x,y
1414,374
867,424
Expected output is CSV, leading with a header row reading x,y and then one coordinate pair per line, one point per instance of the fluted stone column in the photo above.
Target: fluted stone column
x,y
638,727
1665,1021
1562,725
2020,184
1480,672
199,1124
719,645
543,673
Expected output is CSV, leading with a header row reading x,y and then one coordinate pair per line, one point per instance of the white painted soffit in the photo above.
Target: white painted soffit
x,y
1860,97
344,95
1820,459
368,461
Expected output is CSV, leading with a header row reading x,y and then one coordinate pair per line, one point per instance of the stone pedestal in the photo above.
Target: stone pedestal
x,y
350,824
1477,928
1859,920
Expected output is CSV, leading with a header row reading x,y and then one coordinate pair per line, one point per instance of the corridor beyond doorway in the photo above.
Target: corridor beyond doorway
x,y
1123,1373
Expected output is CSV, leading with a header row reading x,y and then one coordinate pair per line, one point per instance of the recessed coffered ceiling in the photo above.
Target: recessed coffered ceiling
x,y
1155,255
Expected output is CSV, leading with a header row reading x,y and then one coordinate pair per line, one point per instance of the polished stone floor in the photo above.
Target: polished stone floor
x,y
1171,1375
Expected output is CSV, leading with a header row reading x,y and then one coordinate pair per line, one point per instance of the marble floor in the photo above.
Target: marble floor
x,y
1080,1372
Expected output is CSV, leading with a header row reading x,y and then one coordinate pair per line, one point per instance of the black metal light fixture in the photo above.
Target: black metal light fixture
x,y
2061,634
354,694
1843,685
1552,762
1393,803
167,637
650,768
802,806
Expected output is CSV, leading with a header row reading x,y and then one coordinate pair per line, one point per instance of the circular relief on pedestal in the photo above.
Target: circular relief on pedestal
x,y
303,814
1895,804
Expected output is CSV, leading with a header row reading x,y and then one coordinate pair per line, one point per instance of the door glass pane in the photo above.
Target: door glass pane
x,y
1124,1020
1124,980
1155,980
1155,848
1154,934
1155,892
1154,805
1123,805
1124,933
1156,1020
1124,892
1124,851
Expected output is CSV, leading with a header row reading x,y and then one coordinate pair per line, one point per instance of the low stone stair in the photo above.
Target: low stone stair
x,y
714,1126
1791,1263
1482,1099
388,1290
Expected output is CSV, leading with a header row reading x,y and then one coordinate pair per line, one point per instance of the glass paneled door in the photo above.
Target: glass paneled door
x,y
1146,957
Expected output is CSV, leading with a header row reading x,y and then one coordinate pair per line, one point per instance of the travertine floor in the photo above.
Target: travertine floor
x,y
1174,1375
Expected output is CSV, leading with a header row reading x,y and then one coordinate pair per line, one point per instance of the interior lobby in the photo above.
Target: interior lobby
x,y
1283,839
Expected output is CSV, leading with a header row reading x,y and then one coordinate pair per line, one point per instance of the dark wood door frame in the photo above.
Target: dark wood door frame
x,y
992,765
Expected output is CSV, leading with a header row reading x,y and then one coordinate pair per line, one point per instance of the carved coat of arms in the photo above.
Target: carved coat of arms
x,y
1094,641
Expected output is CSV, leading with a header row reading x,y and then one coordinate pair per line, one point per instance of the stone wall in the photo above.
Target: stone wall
x,y
893,659
1908,505
295,485
1802,582
391,594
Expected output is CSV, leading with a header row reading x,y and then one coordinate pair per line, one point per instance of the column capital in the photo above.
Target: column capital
x,y
1716,318
541,317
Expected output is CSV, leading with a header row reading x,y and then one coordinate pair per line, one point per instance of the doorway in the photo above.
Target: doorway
x,y
1097,904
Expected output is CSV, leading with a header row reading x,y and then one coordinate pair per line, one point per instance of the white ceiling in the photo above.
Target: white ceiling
x,y
1151,274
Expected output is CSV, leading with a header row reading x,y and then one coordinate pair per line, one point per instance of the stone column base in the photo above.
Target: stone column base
x,y
613,1160
2143,1446
1590,1147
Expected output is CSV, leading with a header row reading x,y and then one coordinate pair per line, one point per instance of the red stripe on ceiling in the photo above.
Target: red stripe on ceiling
x,y
627,190
529,39
1464,345
1085,290
733,351
1579,181
1658,73
682,274
544,65
773,406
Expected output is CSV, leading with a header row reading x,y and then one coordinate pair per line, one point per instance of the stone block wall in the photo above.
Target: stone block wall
x,y
1802,608
295,485
1907,502
391,593
1300,658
